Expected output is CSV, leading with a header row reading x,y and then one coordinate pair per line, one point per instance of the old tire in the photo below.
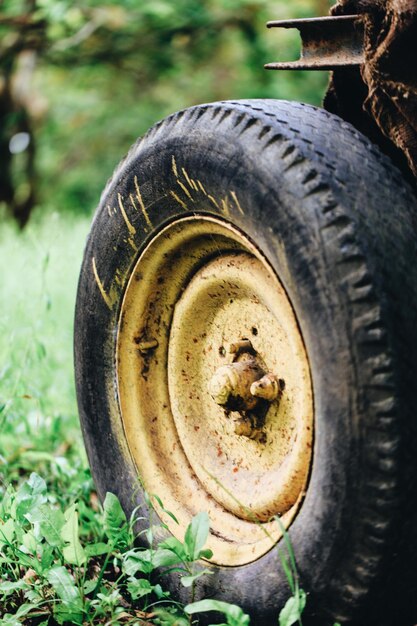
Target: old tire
x,y
317,207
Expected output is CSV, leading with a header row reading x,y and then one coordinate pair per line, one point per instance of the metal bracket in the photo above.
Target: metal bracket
x,y
327,42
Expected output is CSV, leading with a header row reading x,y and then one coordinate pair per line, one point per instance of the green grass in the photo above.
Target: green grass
x,y
65,559
38,419
39,270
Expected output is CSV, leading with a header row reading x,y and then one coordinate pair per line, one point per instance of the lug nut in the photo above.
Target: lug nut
x,y
245,387
240,385
230,385
268,387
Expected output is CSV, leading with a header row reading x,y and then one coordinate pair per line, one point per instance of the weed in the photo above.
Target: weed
x,y
295,605
48,570
234,614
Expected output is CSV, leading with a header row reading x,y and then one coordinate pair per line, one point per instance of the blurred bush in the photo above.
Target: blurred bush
x,y
81,79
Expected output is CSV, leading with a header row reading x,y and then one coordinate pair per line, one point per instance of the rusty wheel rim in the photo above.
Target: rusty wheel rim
x,y
202,306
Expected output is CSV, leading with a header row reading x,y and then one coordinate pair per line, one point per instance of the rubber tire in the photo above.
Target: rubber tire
x,y
337,222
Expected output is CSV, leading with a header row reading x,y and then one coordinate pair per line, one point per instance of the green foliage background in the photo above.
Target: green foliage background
x,y
104,71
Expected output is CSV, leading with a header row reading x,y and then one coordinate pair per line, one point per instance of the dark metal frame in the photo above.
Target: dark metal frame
x,y
327,42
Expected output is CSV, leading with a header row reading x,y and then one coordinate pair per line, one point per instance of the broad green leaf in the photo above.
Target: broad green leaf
x,y
114,519
10,620
64,585
196,535
89,586
34,596
64,614
145,561
6,588
187,581
29,496
24,609
14,620
51,522
29,542
7,532
235,615
206,554
96,549
139,588
47,557
163,557
293,609
135,562
173,545
28,560
159,592
109,598
170,618
37,484
73,551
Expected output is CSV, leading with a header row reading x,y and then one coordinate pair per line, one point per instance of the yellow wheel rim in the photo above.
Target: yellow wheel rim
x,y
203,303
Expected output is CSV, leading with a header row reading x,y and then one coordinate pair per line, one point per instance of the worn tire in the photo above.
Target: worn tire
x,y
337,223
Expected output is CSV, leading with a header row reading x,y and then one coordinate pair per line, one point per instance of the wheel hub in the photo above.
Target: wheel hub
x,y
207,420
245,387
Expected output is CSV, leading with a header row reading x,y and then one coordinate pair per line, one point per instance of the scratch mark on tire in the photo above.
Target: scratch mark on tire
x,y
141,203
109,299
237,203
180,202
130,227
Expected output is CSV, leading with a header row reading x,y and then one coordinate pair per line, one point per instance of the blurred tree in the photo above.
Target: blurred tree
x,y
22,37
167,53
